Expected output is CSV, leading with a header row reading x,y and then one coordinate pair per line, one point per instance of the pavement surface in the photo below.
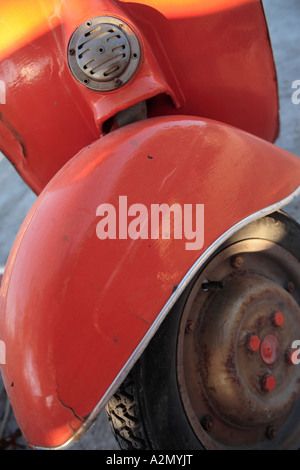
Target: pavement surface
x,y
16,199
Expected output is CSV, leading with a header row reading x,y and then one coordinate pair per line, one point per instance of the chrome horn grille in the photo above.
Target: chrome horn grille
x,y
104,53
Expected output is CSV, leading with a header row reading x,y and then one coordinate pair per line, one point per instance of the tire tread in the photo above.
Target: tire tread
x,y
124,417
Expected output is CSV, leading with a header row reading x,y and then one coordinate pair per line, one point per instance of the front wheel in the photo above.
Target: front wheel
x,y
222,371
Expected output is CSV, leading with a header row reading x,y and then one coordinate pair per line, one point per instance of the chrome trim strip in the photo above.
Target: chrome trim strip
x,y
160,318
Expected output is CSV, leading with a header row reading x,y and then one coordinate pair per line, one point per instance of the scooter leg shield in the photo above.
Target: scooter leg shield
x,y
107,249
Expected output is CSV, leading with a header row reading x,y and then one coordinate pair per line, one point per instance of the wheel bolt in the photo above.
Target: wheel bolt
x,y
291,287
237,262
207,422
252,342
268,383
278,319
189,327
270,432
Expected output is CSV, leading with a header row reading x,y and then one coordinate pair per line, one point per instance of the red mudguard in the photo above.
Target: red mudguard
x,y
76,311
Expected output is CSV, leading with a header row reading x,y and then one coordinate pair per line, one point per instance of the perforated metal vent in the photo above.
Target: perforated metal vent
x,y
104,53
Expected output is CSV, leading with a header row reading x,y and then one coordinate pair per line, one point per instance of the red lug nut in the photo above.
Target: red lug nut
x,y
268,383
253,342
278,319
292,356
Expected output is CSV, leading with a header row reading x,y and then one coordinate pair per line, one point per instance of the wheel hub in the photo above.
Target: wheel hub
x,y
238,377
232,362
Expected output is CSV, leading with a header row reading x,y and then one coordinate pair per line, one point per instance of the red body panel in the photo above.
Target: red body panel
x,y
211,59
75,308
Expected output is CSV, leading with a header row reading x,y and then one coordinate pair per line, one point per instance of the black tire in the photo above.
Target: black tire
x,y
123,411
148,412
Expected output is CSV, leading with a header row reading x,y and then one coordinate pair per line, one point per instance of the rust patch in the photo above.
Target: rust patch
x,y
205,356
231,370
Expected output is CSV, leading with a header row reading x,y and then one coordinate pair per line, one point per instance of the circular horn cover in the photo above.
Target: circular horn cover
x,y
103,53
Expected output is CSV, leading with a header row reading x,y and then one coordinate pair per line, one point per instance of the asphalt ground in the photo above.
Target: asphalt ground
x,y
16,198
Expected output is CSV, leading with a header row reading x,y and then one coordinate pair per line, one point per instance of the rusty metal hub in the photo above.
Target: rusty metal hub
x,y
232,361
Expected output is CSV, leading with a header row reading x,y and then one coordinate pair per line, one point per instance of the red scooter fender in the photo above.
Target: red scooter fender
x,y
77,310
